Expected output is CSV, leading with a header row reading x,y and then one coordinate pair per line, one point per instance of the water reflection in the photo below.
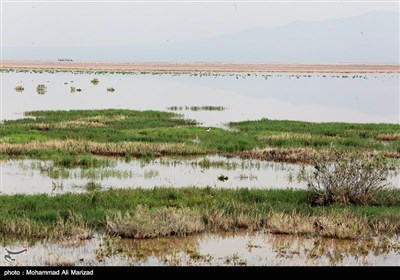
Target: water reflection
x,y
34,176
311,97
214,249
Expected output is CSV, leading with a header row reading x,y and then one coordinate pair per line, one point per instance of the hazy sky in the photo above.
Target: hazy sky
x,y
116,24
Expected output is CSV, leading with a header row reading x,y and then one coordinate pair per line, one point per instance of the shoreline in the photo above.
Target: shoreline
x,y
197,67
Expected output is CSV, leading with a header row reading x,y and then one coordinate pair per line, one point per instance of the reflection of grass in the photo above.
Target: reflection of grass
x,y
149,174
90,186
301,250
139,250
249,177
95,173
170,211
206,163
335,251
234,259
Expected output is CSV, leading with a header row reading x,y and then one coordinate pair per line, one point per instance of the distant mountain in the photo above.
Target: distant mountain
x,y
370,38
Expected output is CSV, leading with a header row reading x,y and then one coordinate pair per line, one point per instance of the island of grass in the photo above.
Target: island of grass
x,y
127,133
74,138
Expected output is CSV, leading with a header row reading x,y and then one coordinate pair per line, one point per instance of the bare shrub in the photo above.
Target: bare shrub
x,y
349,178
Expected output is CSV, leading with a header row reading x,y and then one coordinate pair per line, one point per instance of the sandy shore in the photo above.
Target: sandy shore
x,y
204,67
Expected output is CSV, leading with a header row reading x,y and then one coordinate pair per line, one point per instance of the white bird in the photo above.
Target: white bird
x,y
209,129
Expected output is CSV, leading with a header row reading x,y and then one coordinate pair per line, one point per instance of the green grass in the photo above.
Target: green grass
x,y
320,135
216,209
127,126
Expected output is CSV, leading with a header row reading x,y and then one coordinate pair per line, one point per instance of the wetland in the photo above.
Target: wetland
x,y
195,168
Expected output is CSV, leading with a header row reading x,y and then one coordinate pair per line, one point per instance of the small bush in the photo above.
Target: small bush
x,y
41,89
349,178
95,81
19,88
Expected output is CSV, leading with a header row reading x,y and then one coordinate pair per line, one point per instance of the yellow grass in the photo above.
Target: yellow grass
x,y
388,137
106,149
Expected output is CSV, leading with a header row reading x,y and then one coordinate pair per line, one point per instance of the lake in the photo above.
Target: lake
x,y
359,98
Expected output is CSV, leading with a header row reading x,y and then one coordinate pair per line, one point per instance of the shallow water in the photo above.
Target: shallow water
x,y
210,249
33,176
309,97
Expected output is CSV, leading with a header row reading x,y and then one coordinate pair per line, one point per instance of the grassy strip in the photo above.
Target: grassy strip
x,y
151,133
155,212
347,136
152,126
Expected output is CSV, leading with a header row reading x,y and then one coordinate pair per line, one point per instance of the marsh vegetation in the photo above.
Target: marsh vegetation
x,y
348,196
128,133
95,81
350,178
19,88
169,211
196,108
41,89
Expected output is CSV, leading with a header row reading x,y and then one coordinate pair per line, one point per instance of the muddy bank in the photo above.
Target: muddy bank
x,y
198,67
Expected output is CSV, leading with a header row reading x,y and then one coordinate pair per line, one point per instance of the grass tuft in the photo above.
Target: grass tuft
x,y
150,223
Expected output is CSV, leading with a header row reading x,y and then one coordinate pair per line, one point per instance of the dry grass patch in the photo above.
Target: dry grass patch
x,y
41,126
388,137
104,149
150,223
72,228
95,121
340,226
292,155
79,124
294,136
217,220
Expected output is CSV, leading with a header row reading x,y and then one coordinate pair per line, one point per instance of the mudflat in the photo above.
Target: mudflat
x,y
199,67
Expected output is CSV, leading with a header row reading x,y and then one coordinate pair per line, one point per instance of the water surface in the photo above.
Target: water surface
x,y
295,96
210,249
34,176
